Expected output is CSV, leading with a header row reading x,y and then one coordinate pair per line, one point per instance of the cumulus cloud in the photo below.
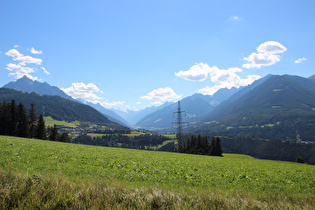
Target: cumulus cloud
x,y
235,81
261,59
300,60
20,68
161,94
13,53
198,72
83,91
223,78
17,56
35,51
266,55
23,71
19,71
271,47
45,71
12,66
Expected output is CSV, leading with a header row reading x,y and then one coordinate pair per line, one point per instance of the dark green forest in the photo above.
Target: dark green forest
x,y
200,145
58,108
15,120
269,149
145,141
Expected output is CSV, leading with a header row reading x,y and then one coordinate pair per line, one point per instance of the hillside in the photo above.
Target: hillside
x,y
279,107
312,77
70,176
27,85
56,107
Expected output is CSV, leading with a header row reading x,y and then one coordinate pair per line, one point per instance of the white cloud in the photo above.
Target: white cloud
x,y
198,72
35,51
16,46
234,81
13,53
17,56
300,60
261,59
81,90
235,18
45,71
161,94
12,66
271,47
222,78
138,102
266,55
19,71
24,71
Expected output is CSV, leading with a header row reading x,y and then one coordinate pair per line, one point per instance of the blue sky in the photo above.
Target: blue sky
x,y
135,54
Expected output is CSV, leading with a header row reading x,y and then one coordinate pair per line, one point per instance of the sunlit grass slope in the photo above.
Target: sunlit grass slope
x,y
238,178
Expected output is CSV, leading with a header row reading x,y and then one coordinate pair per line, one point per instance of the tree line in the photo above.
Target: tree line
x,y
198,144
16,121
118,140
269,148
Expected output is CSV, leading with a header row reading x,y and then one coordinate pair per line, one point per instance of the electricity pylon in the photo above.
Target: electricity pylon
x,y
179,125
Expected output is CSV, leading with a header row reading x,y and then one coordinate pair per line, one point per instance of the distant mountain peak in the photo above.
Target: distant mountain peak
x,y
312,77
26,84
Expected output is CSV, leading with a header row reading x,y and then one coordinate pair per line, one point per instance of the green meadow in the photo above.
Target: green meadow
x,y
49,121
79,176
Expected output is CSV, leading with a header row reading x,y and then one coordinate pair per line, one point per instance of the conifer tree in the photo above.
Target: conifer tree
x,y
212,147
13,119
22,122
65,138
53,133
6,117
41,132
218,147
1,118
32,121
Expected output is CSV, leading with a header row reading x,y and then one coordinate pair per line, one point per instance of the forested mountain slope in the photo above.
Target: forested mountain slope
x,y
280,107
56,107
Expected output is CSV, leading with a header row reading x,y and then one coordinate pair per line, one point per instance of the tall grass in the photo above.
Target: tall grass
x,y
37,192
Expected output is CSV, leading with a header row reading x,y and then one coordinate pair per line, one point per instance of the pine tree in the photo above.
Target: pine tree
x,y
218,147
13,119
53,134
6,117
65,138
32,121
1,118
22,122
41,132
212,147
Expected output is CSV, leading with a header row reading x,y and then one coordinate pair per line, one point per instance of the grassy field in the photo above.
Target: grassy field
x,y
80,176
51,122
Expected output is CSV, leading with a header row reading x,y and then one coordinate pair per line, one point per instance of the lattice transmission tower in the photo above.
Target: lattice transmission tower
x,y
179,125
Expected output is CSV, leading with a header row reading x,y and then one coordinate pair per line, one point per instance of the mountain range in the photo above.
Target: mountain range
x,y
281,107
